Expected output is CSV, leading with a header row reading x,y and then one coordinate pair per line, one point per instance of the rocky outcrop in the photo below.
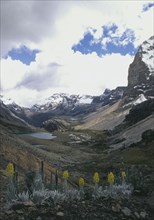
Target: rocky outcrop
x,y
56,124
142,68
141,71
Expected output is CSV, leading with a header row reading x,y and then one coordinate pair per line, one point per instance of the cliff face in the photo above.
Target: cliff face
x,y
141,70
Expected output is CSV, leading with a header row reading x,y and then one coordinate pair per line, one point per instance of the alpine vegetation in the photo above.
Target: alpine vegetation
x,y
40,193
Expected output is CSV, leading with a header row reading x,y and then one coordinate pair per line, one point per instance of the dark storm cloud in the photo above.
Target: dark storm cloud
x,y
44,78
27,21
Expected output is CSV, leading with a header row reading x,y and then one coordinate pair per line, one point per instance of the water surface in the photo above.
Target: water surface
x,y
42,135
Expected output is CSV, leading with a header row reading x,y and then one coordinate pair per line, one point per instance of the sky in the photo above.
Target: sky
x,y
74,47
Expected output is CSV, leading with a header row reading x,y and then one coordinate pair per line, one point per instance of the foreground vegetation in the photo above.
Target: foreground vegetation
x,y
39,193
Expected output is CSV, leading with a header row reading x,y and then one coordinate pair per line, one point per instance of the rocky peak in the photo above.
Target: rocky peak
x,y
141,70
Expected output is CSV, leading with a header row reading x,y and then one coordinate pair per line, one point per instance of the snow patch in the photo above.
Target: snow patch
x,y
85,100
140,99
5,100
147,50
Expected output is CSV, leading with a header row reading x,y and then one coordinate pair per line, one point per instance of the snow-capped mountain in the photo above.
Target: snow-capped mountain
x,y
62,100
6,100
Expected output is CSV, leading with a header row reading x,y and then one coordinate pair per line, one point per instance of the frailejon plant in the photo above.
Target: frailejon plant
x,y
65,177
12,185
81,183
114,190
24,196
38,184
123,176
111,179
57,197
40,196
96,180
29,181
10,169
12,192
81,187
75,195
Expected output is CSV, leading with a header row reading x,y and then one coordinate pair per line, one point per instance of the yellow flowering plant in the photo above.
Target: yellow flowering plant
x,y
111,178
123,177
65,175
81,181
96,178
123,174
10,169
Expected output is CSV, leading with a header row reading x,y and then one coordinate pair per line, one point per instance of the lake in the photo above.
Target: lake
x,y
42,135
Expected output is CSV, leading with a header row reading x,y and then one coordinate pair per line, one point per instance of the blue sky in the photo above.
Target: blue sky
x,y
147,6
114,43
24,54
92,44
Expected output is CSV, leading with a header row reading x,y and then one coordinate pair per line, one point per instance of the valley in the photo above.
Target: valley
x,y
110,132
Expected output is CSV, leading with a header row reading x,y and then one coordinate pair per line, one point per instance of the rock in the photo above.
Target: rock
x,y
17,206
116,208
29,203
150,201
143,215
38,218
9,212
137,215
140,72
58,207
21,218
60,214
31,209
126,211
20,212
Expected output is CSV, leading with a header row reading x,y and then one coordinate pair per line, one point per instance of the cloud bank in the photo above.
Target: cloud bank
x,y
53,28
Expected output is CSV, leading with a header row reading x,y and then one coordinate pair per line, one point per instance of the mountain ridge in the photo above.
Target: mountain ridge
x,y
140,89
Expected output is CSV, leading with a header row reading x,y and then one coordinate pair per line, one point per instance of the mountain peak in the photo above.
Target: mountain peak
x,y
141,70
146,51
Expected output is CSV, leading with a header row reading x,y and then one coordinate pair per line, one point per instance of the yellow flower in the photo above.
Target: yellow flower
x,y
81,181
65,174
123,174
96,178
10,169
111,177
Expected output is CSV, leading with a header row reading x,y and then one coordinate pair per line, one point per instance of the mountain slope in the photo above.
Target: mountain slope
x,y
105,118
9,121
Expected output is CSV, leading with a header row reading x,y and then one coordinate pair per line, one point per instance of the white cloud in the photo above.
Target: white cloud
x,y
28,22
93,74
23,96
12,72
54,27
